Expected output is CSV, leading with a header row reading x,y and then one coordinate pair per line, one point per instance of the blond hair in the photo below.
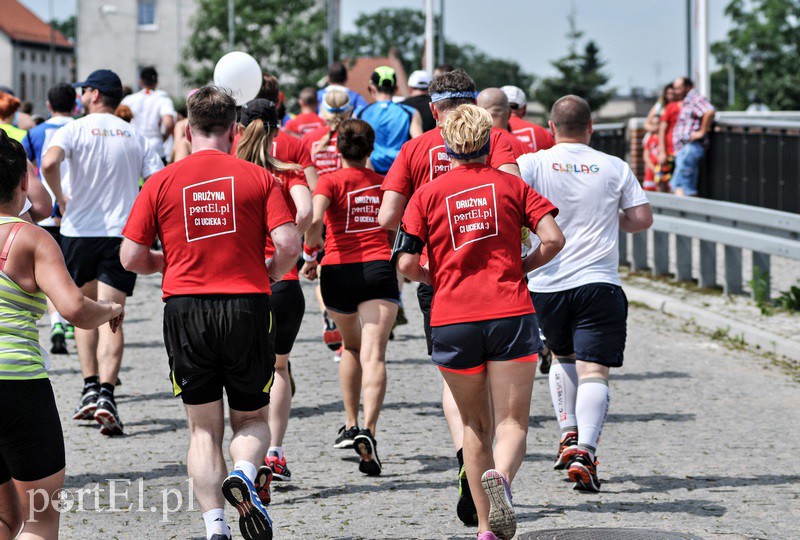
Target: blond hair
x,y
467,128
335,99
254,147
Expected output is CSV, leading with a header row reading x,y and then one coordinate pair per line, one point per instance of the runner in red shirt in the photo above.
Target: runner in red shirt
x,y
308,119
259,125
217,317
534,136
495,101
359,284
470,220
321,143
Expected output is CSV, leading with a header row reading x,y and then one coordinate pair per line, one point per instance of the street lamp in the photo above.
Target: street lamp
x,y
756,104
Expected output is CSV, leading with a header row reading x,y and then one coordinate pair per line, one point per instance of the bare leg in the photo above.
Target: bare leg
x,y
453,417
44,524
280,401
350,366
110,344
377,318
86,340
205,462
10,511
250,435
471,393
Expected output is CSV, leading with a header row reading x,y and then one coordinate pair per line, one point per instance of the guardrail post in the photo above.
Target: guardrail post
x,y
639,251
683,258
761,269
660,253
708,264
623,248
733,270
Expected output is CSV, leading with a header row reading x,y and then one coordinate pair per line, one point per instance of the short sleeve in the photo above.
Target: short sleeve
x,y
277,211
27,144
501,152
536,207
303,154
414,220
294,178
398,178
325,187
632,193
527,168
151,161
141,226
62,138
167,108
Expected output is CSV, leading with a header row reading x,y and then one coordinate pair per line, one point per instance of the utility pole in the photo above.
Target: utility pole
x,y
429,35
441,33
231,30
703,74
52,46
330,32
689,19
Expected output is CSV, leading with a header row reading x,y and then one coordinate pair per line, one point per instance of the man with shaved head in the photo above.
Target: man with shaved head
x,y
495,101
578,295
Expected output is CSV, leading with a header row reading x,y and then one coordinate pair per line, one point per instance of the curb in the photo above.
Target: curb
x,y
709,320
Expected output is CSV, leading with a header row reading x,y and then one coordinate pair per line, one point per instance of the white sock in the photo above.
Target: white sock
x,y
56,318
591,409
247,468
215,523
564,390
277,450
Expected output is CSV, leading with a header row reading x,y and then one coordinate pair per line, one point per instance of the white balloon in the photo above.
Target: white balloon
x,y
240,74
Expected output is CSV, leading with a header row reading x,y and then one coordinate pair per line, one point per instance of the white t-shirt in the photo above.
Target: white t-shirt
x,y
106,156
589,188
57,122
148,106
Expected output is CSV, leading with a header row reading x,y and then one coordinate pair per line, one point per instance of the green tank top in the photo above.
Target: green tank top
x,y
21,357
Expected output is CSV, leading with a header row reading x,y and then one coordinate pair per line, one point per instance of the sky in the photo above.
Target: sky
x,y
643,41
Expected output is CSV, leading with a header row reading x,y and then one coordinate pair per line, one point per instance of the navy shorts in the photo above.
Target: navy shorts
x,y
589,321
466,347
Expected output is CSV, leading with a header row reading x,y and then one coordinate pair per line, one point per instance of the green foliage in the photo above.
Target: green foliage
x,y
486,70
790,299
580,73
68,27
287,37
760,286
771,27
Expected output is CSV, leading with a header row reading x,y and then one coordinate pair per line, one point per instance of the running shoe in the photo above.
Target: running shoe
x,y
279,469
401,319
337,356
330,334
487,535
465,508
583,471
263,481
366,447
502,520
69,331
545,360
58,340
346,437
254,522
567,449
220,537
107,416
87,405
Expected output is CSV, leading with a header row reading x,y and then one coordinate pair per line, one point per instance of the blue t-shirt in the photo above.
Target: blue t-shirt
x,y
391,122
35,142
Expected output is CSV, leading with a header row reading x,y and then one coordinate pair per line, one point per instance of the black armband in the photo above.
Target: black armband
x,y
405,243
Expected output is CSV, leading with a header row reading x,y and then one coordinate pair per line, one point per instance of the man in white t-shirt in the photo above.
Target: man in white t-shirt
x,y
578,295
153,112
106,157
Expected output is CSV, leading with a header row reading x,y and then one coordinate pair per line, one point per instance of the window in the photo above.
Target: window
x,y
23,87
22,55
147,13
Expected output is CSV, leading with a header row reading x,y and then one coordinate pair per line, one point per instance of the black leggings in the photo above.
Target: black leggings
x,y
288,307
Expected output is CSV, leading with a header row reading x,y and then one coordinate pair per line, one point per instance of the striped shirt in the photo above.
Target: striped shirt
x,y
689,120
21,357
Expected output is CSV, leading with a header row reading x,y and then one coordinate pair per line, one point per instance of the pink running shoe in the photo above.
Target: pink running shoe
x,y
502,520
487,535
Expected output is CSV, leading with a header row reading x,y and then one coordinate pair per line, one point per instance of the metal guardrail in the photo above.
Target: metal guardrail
x,y
735,226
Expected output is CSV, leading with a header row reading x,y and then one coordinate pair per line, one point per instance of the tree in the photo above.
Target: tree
x,y
486,70
67,27
579,73
287,38
771,29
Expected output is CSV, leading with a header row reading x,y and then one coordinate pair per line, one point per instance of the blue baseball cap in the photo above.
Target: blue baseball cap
x,y
104,80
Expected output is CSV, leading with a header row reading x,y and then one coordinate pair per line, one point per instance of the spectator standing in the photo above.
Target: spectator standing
x,y
690,135
153,112
337,78
308,119
106,157
535,136
420,98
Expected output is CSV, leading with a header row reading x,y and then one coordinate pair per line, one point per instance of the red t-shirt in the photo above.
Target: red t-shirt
x,y
517,146
470,220
287,181
328,159
284,148
352,232
422,159
650,147
212,213
303,123
670,116
534,136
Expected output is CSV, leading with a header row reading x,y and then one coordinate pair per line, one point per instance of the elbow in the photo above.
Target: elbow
x,y
290,247
388,220
303,220
557,243
405,265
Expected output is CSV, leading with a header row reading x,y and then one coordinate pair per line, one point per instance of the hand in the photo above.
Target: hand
x,y
117,314
697,136
309,270
426,274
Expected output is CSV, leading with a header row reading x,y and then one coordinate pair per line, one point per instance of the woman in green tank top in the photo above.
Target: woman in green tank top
x,y
31,441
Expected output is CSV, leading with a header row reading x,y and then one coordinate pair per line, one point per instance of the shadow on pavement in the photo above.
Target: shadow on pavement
x,y
649,375
658,484
696,507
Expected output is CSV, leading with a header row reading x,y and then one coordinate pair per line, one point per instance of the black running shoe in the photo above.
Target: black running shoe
x,y
254,522
58,339
545,360
367,448
465,508
106,415
87,405
567,449
583,471
346,437
401,319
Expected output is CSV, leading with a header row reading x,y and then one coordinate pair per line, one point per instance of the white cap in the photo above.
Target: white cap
x,y
420,79
515,95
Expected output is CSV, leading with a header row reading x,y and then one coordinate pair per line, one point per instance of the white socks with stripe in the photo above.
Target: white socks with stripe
x,y
591,409
564,390
215,523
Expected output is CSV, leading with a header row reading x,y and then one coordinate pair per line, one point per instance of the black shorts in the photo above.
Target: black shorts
x,y
218,341
97,258
345,286
31,440
466,347
589,321
288,308
425,298
54,231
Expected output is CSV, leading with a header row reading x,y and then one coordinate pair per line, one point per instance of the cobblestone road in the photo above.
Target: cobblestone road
x,y
699,440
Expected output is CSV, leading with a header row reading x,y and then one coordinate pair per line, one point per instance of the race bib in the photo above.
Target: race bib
x,y
472,215
208,209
